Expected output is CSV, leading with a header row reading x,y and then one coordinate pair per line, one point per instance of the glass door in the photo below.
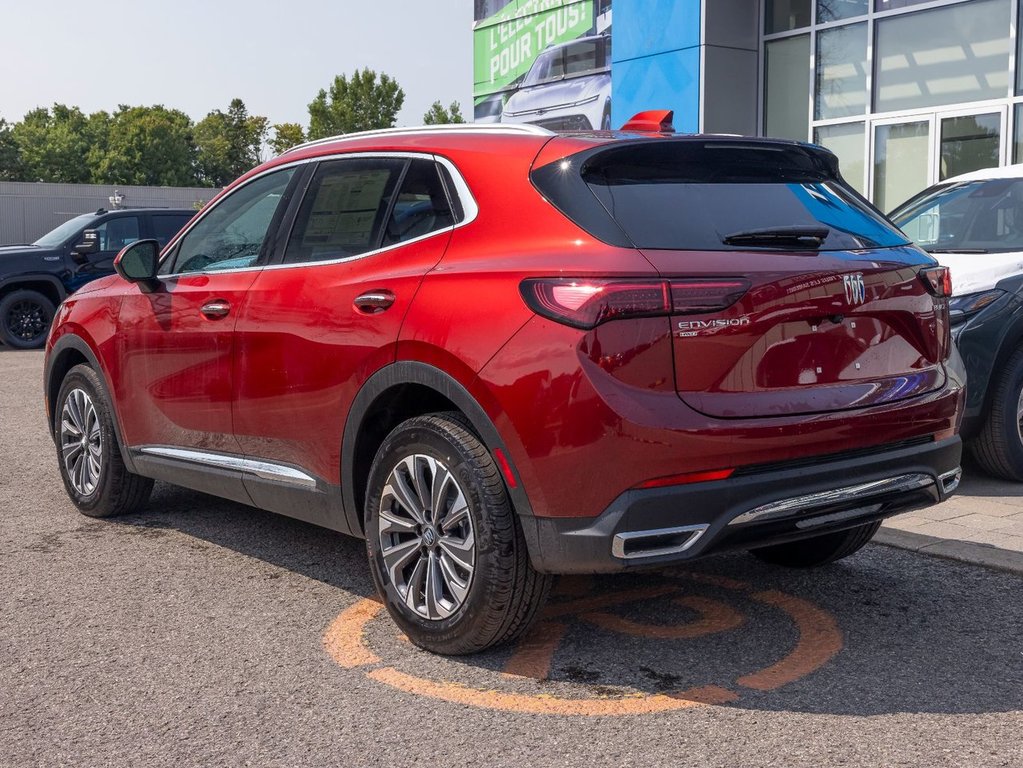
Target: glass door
x,y
969,142
902,160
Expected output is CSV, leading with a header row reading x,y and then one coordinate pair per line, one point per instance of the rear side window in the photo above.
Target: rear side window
x,y
421,207
692,195
344,211
166,225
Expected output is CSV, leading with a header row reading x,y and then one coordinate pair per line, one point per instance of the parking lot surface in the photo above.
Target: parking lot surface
x,y
206,633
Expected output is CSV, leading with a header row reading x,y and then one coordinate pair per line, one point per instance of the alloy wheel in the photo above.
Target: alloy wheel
x,y
426,537
81,442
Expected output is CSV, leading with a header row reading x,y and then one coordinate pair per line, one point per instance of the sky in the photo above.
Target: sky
x,y
198,55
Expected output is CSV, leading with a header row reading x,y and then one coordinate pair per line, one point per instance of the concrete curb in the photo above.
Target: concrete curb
x,y
963,551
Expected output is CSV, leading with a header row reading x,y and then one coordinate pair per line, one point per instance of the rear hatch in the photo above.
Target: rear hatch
x,y
792,295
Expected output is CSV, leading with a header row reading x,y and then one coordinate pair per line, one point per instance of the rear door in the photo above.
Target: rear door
x,y
325,318
831,312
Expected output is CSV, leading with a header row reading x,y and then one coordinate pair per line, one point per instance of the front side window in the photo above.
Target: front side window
x,y
343,212
231,235
117,233
969,217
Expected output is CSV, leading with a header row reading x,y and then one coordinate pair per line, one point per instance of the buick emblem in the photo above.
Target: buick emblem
x,y
855,290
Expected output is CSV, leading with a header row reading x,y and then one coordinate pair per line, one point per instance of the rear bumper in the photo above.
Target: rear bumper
x,y
662,526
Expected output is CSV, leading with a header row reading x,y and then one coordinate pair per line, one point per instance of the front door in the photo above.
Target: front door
x,y
176,344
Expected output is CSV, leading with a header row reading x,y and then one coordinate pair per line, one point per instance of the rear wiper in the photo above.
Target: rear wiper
x,y
797,236
957,250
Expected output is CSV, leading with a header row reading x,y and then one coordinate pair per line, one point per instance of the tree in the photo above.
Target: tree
x,y
360,104
10,161
53,145
228,143
149,146
437,115
286,136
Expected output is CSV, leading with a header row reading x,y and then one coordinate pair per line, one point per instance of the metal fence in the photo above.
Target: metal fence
x,y
30,210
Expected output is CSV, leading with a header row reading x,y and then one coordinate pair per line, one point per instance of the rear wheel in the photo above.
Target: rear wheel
x,y
445,550
999,446
819,550
25,318
88,453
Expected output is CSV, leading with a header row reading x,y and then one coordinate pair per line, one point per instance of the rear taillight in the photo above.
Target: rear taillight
x,y
938,281
587,302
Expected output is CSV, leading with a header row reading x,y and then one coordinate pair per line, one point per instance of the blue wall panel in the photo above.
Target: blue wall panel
x,y
646,27
656,60
663,81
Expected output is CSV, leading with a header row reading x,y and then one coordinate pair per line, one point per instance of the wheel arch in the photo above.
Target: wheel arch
x,y
48,285
67,352
400,391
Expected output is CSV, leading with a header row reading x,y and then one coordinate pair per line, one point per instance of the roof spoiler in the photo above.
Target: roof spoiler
x,y
651,121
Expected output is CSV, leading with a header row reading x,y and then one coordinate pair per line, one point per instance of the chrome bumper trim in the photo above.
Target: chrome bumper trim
x,y
635,538
797,504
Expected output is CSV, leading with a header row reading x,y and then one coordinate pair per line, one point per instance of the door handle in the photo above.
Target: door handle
x,y
373,302
216,309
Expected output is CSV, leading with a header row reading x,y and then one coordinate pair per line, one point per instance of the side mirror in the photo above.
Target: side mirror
x,y
138,262
89,245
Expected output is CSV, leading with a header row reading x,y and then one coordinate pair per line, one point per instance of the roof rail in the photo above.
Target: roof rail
x,y
520,128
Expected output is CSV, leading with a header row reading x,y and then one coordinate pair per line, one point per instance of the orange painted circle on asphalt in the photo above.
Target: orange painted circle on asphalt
x,y
819,640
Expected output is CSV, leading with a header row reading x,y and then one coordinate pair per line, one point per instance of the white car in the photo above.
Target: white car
x,y
568,88
972,224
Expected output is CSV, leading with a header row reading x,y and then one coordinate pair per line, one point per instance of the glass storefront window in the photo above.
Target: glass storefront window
x,y
841,71
787,91
888,5
942,56
969,143
900,162
846,141
834,10
783,15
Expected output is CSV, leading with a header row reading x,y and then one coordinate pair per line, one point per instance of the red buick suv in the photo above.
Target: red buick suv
x,y
498,353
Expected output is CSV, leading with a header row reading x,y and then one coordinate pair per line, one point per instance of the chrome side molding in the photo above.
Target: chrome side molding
x,y
630,545
264,470
787,507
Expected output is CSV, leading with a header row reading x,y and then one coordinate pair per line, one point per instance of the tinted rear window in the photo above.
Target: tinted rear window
x,y
693,195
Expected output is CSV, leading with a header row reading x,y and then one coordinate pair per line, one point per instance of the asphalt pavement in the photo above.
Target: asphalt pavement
x,y
202,632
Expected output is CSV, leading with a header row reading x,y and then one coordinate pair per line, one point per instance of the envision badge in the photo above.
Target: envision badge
x,y
700,325
855,290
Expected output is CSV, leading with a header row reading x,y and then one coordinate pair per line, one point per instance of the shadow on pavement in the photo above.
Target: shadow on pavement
x,y
885,631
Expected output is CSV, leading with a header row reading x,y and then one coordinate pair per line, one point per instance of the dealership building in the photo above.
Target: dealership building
x,y
905,92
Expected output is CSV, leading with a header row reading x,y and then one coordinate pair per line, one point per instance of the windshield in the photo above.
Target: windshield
x,y
59,236
968,217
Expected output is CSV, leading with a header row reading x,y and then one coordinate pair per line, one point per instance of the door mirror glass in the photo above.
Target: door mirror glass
x,y
89,244
138,263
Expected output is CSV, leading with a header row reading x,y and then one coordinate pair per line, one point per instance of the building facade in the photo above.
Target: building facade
x,y
906,92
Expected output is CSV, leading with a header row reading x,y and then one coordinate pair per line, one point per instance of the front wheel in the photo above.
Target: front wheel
x,y
444,547
25,318
94,474
999,446
818,550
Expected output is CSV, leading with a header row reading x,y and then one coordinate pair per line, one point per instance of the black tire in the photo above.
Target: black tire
x,y
999,446
116,491
25,318
819,550
504,594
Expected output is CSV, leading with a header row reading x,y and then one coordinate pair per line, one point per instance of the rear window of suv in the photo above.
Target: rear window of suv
x,y
713,196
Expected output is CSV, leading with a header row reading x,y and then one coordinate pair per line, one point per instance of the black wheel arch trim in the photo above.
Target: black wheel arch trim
x,y
61,347
21,280
410,372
